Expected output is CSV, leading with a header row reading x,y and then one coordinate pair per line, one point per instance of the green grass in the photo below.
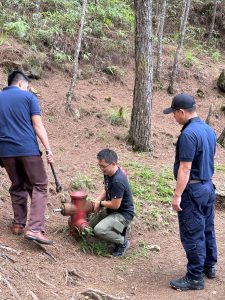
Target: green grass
x,y
91,245
82,182
117,117
219,168
149,189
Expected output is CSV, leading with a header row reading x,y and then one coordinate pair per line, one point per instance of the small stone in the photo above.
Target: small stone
x,y
155,248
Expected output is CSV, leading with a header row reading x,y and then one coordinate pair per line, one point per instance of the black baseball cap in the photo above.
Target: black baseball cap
x,y
181,101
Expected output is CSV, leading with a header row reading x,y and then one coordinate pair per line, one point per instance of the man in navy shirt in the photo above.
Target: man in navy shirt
x,y
194,194
114,203
20,122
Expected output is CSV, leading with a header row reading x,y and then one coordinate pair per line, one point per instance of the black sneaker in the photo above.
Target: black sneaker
x,y
210,272
185,283
121,249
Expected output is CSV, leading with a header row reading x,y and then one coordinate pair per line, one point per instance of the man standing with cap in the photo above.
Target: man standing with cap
x,y
194,193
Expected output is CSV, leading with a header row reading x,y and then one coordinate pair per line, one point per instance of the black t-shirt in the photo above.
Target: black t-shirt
x,y
117,186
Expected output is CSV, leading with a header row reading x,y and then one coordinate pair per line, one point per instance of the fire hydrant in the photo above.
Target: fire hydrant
x,y
78,210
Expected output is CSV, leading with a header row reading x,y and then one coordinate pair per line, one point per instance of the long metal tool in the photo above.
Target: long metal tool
x,y
57,184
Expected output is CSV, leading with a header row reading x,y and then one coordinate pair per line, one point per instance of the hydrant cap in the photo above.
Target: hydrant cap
x,y
78,194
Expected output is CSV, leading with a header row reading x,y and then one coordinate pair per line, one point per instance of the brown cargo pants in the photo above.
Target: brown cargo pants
x,y
28,177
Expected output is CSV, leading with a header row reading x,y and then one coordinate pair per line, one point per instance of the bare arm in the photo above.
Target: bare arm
x,y
113,204
100,202
182,181
42,135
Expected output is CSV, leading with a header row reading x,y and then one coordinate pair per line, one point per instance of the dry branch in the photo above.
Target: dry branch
x,y
99,295
73,273
45,251
8,257
4,247
12,289
44,282
33,295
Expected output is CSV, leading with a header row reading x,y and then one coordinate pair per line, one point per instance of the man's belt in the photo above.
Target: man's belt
x,y
194,181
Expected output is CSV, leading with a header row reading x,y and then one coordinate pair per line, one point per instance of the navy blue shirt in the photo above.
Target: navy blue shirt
x,y
196,144
17,136
117,186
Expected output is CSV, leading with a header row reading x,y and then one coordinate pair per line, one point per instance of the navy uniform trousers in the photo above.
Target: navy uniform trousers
x,y
196,223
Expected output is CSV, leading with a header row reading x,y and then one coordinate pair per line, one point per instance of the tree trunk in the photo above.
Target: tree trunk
x,y
213,20
208,119
37,13
183,23
70,94
221,138
140,128
159,43
157,17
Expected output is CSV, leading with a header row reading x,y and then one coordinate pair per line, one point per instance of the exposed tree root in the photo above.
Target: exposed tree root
x,y
99,295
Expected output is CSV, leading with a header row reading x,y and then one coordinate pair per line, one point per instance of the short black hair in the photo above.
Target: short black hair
x,y
108,155
15,76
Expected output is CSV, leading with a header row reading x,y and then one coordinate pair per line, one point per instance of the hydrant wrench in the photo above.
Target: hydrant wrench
x,y
57,184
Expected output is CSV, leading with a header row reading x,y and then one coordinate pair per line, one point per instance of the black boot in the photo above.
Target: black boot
x,y
210,272
186,283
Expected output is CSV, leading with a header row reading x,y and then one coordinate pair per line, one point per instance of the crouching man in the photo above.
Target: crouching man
x,y
114,206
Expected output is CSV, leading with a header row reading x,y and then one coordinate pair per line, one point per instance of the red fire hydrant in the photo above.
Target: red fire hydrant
x,y
78,210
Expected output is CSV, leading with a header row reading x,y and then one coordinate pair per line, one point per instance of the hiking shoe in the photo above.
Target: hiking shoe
x,y
185,283
210,272
17,228
121,249
38,237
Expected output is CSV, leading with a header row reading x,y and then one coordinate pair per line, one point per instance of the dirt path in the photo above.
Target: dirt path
x,y
133,277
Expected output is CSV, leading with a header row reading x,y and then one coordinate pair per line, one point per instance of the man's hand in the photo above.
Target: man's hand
x,y
49,156
97,206
176,200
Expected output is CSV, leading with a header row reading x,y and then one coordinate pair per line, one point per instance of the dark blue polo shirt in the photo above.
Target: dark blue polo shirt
x,y
17,136
117,186
196,144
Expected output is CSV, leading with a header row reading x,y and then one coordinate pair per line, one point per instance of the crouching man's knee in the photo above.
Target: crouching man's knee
x,y
100,232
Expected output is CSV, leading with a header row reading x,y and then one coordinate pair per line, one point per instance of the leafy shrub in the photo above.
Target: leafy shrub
x,y
117,117
19,28
189,60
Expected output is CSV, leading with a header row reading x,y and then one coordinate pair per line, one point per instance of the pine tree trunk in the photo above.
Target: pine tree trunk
x,y
70,94
213,20
37,14
159,43
157,17
140,128
183,23
221,138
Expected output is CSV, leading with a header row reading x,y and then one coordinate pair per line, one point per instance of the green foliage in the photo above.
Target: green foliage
x,y
60,56
189,60
57,24
117,117
149,189
19,28
216,55
82,182
91,245
220,168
